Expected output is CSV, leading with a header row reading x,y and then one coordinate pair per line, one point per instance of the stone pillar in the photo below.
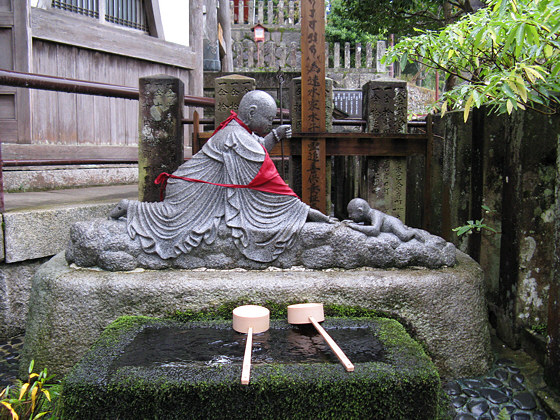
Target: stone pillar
x,y
211,51
295,113
228,93
380,52
384,107
160,143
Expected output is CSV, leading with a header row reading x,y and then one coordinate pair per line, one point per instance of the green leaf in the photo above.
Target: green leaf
x,y
468,106
509,106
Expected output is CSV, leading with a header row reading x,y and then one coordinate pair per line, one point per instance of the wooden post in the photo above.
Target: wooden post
x,y
160,144
313,118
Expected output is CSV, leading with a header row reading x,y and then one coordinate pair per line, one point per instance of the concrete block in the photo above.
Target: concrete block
x,y
15,287
37,233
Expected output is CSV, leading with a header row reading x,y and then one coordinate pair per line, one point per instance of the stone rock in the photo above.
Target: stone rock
x,y
493,382
501,374
525,401
464,416
106,244
494,396
459,401
478,407
452,388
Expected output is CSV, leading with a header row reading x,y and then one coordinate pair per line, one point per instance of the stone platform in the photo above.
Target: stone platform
x,y
444,309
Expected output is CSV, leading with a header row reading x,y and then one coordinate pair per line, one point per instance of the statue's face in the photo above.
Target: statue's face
x,y
261,119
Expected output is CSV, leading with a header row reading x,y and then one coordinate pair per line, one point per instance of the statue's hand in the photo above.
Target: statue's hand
x,y
284,131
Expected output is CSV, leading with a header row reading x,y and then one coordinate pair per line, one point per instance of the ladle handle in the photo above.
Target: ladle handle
x,y
337,350
246,371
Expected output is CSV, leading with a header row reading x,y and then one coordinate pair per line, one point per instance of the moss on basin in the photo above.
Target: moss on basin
x,y
403,385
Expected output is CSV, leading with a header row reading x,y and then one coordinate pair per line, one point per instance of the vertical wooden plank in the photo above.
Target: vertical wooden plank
x,y
22,54
84,103
67,127
313,114
117,68
49,106
101,107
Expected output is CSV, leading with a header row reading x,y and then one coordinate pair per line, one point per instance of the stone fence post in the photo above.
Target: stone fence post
x,y
228,93
160,142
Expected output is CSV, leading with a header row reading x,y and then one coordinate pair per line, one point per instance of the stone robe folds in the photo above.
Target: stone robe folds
x,y
262,224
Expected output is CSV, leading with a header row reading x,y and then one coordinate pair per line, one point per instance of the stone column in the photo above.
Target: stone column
x,y
384,107
160,143
295,113
228,93
211,50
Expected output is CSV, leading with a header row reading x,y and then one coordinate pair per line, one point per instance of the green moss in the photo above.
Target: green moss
x,y
277,311
404,385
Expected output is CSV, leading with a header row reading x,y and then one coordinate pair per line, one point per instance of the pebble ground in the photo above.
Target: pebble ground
x,y
514,383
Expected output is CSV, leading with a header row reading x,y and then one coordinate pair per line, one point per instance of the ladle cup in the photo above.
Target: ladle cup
x,y
250,319
305,313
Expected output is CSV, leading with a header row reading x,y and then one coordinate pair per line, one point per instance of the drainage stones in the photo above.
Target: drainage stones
x,y
484,397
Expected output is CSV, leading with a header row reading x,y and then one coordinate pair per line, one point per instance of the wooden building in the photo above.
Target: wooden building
x,y
109,41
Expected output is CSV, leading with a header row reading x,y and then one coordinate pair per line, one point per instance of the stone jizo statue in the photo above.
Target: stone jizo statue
x,y
375,222
232,180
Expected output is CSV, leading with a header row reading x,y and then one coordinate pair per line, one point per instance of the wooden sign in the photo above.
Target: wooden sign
x,y
313,114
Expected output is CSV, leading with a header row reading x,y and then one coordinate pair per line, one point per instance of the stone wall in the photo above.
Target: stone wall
x,y
509,164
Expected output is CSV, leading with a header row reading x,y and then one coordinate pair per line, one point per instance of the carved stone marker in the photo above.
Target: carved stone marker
x,y
160,143
385,111
228,93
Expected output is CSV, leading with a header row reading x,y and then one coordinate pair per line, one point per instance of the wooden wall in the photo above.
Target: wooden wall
x,y
73,119
64,44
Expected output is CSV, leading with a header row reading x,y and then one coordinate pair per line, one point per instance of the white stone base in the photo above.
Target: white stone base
x,y
444,309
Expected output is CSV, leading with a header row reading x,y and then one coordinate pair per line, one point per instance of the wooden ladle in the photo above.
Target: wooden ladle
x,y
250,319
306,313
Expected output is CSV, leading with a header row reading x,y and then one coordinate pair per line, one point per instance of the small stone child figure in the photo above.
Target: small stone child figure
x,y
376,222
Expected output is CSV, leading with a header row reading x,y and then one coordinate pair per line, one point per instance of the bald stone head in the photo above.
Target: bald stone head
x,y
257,109
358,209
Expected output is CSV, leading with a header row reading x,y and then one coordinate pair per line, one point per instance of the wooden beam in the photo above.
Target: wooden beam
x,y
72,29
313,114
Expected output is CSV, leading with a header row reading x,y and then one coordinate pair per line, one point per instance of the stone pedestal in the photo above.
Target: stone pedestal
x,y
445,308
228,93
384,107
160,144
